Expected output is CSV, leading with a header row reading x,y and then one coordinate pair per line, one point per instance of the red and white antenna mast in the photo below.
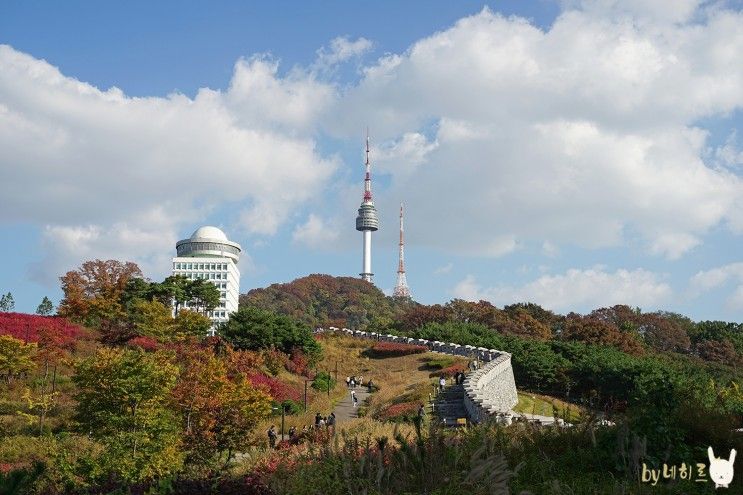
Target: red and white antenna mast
x,y
401,288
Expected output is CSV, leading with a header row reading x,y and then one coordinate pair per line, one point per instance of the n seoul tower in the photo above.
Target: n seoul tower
x,y
367,220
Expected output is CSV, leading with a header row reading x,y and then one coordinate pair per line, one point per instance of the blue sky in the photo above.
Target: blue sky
x,y
576,154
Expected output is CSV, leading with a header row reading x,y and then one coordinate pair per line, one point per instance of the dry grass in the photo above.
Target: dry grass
x,y
400,379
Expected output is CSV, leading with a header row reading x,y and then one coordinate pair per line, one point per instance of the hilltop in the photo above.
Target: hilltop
x,y
324,300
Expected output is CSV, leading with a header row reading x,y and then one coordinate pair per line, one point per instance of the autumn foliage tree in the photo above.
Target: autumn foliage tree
x,y
92,292
591,330
16,358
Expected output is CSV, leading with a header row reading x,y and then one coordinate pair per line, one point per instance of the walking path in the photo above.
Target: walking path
x,y
344,410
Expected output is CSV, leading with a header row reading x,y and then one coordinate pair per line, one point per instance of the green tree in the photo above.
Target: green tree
x,y
16,357
178,289
203,294
122,397
252,328
7,303
152,319
191,324
45,308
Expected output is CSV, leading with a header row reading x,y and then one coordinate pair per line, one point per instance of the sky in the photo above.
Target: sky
x,y
576,154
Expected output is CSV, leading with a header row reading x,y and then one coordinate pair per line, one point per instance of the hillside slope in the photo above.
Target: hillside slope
x,y
324,300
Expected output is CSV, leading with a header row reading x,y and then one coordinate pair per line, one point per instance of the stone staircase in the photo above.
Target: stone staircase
x,y
448,406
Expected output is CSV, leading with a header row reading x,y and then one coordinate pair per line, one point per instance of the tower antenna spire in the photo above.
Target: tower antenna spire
x,y
401,288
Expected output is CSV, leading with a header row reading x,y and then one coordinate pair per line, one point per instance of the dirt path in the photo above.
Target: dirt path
x,y
345,411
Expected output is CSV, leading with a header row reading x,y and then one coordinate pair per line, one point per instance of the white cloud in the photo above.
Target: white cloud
x,y
576,289
442,270
582,134
550,249
342,49
705,280
402,156
110,175
316,233
497,133
730,154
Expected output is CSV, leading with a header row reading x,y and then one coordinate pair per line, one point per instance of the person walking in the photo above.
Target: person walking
x,y
421,411
370,385
442,384
353,397
361,381
317,419
353,382
292,433
355,400
348,382
272,436
331,422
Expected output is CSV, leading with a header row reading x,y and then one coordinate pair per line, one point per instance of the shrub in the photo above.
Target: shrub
x,y
392,349
298,363
275,361
279,390
402,411
144,343
323,382
450,371
292,407
27,327
439,363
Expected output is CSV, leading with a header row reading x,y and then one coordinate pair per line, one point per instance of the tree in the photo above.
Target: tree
x,y
252,328
122,397
191,324
152,319
600,332
216,410
92,293
719,351
663,334
45,308
203,294
16,357
178,289
7,303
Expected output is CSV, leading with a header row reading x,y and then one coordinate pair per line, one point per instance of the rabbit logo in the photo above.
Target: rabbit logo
x,y
721,470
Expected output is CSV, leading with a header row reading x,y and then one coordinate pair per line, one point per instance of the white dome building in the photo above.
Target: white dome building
x,y
209,255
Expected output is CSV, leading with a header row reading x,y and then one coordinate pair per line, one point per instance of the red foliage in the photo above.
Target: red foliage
x,y
298,364
28,327
396,411
392,349
144,343
450,371
279,390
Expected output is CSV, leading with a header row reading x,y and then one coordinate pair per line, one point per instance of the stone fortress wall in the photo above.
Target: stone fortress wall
x,y
489,391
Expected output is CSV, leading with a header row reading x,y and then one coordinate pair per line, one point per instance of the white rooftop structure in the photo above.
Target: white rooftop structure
x,y
208,254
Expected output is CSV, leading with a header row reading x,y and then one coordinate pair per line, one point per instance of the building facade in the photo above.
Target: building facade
x,y
209,255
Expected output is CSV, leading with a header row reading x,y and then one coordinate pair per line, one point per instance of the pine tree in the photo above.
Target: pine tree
x,y
7,303
45,308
